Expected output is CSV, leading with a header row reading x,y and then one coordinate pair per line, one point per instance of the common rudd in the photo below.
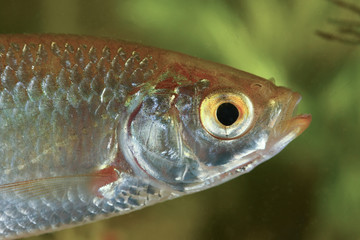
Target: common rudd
x,y
93,128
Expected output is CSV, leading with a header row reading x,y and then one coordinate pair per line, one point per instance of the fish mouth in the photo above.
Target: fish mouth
x,y
292,123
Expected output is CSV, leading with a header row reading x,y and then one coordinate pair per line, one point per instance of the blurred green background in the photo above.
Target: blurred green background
x,y
311,190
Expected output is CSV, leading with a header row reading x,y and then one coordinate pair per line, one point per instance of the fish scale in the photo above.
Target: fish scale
x,y
38,93
92,128
78,207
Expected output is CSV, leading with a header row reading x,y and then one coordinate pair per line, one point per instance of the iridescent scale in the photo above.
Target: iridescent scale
x,y
60,107
101,79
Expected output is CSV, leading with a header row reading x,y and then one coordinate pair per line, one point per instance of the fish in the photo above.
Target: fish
x,y
92,128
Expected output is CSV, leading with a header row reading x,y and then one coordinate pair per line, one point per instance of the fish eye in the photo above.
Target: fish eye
x,y
226,115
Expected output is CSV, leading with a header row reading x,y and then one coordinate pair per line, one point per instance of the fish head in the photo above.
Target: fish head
x,y
215,125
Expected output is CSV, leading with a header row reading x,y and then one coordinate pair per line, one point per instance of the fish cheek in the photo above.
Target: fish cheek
x,y
219,157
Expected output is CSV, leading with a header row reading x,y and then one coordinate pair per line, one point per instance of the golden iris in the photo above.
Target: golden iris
x,y
226,114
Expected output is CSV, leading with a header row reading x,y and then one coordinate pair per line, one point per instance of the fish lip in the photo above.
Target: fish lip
x,y
292,122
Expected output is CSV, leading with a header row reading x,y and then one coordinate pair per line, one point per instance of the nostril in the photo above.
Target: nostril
x,y
256,85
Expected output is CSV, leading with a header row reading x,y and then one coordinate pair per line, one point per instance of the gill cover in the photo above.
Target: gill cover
x,y
157,141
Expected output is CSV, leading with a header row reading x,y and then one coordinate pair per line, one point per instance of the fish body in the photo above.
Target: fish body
x,y
91,128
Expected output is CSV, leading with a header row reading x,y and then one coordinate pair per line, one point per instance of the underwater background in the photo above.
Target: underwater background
x,y
311,190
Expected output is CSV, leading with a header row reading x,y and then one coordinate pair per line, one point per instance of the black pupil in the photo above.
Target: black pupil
x,y
227,114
